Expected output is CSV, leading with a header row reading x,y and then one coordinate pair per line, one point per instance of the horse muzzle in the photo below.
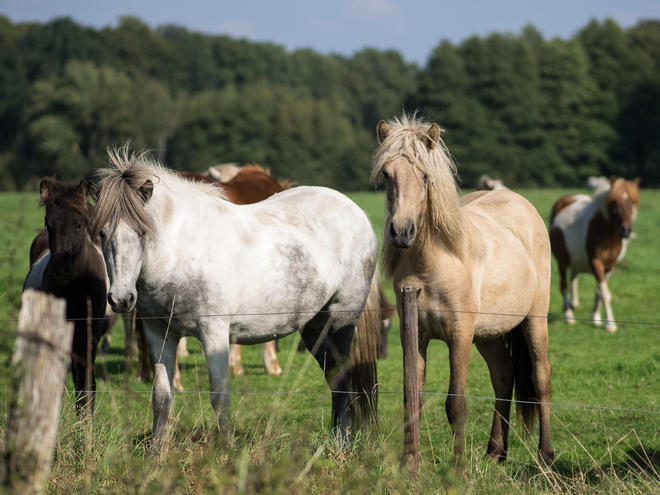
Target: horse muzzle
x,y
123,304
61,268
625,231
403,237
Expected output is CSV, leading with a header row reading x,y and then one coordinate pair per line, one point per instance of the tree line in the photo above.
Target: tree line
x,y
531,111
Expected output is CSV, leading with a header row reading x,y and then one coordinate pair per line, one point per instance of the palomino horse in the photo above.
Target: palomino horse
x,y
482,263
302,260
590,235
66,263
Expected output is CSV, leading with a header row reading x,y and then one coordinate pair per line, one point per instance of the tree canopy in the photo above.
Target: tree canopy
x,y
531,111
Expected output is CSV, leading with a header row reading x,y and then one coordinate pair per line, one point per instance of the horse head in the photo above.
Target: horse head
x,y
67,212
623,202
120,219
406,184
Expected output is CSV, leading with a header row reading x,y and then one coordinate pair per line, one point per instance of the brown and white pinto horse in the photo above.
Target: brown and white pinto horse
x,y
590,235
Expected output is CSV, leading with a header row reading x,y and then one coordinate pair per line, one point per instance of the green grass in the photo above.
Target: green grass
x,y
282,441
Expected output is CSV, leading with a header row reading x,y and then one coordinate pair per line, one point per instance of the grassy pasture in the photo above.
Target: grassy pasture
x,y
282,441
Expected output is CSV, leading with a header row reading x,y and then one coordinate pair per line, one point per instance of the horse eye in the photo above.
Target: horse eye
x,y
102,235
426,178
385,174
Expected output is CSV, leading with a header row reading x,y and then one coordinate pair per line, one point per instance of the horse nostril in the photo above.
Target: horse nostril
x,y
412,230
131,298
112,300
392,231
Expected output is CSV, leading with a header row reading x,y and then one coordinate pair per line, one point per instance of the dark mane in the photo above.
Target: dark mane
x,y
72,198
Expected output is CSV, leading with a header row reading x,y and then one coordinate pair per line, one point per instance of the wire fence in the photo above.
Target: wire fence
x,y
381,392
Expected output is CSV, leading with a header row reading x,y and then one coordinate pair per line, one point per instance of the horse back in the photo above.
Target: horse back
x,y
251,185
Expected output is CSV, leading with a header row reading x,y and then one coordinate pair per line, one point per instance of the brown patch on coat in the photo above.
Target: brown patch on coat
x,y
562,203
603,242
558,246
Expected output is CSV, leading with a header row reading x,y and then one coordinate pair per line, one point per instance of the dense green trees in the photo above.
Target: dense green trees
x,y
528,110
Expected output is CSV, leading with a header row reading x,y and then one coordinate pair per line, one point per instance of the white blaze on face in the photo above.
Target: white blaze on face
x,y
123,260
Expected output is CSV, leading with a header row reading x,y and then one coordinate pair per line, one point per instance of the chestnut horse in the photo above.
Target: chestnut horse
x,y
590,235
66,263
482,263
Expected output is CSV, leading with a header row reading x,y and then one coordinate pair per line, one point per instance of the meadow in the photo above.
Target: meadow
x,y
605,419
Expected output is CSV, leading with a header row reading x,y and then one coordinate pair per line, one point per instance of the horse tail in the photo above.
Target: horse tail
x,y
364,356
526,409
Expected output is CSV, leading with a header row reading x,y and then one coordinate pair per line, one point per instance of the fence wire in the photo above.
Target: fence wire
x,y
290,392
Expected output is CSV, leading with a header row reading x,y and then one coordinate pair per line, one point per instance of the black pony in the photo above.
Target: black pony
x,y
66,263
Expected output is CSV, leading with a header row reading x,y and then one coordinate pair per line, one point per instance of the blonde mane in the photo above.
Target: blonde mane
x,y
443,222
120,198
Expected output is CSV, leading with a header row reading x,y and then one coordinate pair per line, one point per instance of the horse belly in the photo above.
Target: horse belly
x,y
574,224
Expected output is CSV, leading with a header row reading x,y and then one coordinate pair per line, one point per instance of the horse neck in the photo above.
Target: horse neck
x,y
443,226
600,203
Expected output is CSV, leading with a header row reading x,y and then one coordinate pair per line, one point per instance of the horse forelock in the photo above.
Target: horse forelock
x,y
620,188
120,198
66,197
409,136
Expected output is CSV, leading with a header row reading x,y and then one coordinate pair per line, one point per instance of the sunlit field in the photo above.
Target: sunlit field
x,y
605,419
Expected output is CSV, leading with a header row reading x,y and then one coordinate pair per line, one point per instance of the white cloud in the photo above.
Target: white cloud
x,y
370,9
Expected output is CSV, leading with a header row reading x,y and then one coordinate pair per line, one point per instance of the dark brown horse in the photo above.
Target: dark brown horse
x,y
64,262
590,235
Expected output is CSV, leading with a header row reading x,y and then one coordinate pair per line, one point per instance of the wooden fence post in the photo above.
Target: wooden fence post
x,y
410,344
39,368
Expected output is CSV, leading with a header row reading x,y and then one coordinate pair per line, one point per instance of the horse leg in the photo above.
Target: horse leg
x,y
331,347
163,355
535,331
216,349
456,405
563,285
182,348
235,366
85,392
269,358
500,367
602,294
575,298
145,364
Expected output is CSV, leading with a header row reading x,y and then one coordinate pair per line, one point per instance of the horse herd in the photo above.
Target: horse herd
x,y
175,248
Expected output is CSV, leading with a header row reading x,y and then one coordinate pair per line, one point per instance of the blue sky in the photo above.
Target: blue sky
x,y
413,27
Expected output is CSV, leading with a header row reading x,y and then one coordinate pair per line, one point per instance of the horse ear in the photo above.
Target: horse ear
x,y
47,187
612,180
637,180
82,188
93,190
382,129
432,136
146,190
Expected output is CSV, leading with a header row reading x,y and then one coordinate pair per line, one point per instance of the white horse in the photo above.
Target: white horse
x,y
303,260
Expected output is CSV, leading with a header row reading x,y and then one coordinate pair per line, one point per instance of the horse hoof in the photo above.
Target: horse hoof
x,y
237,371
611,328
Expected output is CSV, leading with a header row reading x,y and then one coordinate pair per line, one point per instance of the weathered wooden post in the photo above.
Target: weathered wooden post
x,y
409,342
39,368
